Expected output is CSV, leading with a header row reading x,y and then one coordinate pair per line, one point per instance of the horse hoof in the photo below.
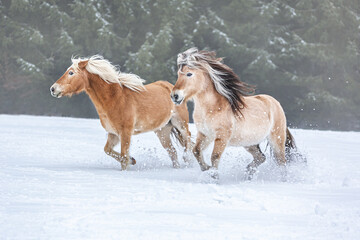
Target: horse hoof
x,y
283,174
211,176
248,176
176,165
249,173
188,158
204,167
188,162
214,173
133,161
125,164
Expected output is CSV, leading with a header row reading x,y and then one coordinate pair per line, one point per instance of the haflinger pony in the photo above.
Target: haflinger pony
x,y
226,113
126,106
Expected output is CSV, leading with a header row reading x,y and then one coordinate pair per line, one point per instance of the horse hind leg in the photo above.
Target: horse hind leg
x,y
277,142
111,142
164,135
259,158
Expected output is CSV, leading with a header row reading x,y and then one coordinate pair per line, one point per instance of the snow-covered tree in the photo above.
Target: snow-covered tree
x,y
306,53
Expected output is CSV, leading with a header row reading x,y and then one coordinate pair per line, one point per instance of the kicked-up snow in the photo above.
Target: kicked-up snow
x,y
57,183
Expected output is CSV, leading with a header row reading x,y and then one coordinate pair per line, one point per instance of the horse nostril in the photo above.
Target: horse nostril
x,y
52,89
176,96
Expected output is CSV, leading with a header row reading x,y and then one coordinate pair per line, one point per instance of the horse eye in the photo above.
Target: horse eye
x,y
189,74
71,73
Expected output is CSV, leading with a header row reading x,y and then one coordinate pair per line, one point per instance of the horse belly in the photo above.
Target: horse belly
x,y
150,125
153,120
155,109
243,136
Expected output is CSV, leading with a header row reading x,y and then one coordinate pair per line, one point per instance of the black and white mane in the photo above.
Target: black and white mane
x,y
226,82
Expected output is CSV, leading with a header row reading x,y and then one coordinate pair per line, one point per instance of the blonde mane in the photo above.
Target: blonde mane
x,y
110,73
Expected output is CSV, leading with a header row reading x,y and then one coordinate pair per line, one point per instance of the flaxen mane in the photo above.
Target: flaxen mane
x,y
226,82
110,73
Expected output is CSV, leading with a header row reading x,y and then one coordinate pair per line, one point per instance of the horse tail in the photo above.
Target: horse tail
x,y
175,133
290,142
290,146
291,152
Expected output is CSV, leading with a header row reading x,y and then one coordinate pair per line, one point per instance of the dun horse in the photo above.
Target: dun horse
x,y
226,113
126,106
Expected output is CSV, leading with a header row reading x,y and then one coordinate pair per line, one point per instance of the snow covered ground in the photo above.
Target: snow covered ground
x,y
57,183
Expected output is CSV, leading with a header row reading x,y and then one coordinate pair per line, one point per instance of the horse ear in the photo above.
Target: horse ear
x,y
83,64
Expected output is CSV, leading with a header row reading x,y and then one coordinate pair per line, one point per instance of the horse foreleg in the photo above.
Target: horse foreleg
x,y
112,141
165,140
202,142
219,147
125,147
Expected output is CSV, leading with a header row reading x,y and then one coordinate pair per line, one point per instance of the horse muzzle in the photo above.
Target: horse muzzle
x,y
177,97
55,91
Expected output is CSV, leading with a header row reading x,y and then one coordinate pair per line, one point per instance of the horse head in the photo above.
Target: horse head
x,y
73,81
190,81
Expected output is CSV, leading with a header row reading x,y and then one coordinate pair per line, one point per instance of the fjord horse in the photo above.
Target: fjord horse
x,y
225,112
125,106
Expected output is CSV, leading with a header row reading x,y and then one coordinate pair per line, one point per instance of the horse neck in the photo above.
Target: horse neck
x,y
102,93
208,99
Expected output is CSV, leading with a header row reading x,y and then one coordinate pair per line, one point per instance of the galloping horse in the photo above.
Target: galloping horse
x,y
226,113
126,106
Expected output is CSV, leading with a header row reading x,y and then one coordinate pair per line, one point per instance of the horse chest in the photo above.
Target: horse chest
x,y
205,126
247,134
106,123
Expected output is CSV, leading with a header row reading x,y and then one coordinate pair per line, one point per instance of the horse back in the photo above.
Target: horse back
x,y
264,101
262,115
164,84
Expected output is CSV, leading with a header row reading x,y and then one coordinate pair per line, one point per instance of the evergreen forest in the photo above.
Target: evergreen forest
x,y
305,53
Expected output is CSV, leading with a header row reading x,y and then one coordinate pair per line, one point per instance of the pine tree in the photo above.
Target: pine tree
x,y
303,52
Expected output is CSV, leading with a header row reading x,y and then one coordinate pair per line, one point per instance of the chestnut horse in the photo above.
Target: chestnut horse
x,y
226,113
126,106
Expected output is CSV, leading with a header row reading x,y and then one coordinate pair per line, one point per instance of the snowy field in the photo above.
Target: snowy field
x,y
57,183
